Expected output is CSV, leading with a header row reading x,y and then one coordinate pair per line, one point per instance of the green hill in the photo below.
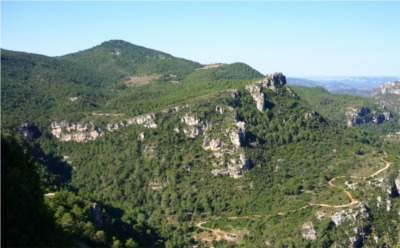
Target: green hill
x,y
118,60
144,149
363,112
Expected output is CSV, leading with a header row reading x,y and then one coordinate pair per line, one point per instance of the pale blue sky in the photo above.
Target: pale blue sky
x,y
296,38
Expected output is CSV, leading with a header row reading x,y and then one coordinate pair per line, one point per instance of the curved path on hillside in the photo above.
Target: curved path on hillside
x,y
219,234
352,200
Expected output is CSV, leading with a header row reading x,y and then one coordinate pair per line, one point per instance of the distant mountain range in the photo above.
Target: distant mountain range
x,y
361,86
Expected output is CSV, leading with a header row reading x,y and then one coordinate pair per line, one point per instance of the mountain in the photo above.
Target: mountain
x,y
359,86
117,59
388,98
351,110
137,150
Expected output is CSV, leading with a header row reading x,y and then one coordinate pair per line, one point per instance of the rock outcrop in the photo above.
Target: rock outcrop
x,y
146,120
309,231
80,132
390,88
195,128
358,116
87,131
238,135
258,96
350,214
212,144
270,81
234,168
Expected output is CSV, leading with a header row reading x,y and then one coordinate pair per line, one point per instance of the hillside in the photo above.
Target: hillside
x,y
143,151
351,110
118,60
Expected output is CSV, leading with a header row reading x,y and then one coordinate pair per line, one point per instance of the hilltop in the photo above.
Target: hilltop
x,y
139,148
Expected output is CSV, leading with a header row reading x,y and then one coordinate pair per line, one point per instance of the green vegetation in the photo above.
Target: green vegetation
x,y
335,107
26,221
152,186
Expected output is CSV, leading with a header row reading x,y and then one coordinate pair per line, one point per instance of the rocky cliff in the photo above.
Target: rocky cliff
x,y
358,116
88,131
270,81
390,88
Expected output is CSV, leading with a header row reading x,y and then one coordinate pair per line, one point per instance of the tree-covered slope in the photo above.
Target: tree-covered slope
x,y
183,151
119,60
36,88
26,221
351,110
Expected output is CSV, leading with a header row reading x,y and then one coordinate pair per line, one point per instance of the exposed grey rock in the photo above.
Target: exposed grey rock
x,y
352,186
358,116
237,166
258,96
195,131
84,131
388,205
340,217
319,215
190,120
397,184
239,135
220,109
234,93
391,88
270,81
309,114
387,115
350,214
212,144
80,132
379,201
308,231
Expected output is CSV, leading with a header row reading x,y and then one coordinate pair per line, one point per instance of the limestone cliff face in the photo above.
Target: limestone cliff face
x,y
390,88
195,127
88,131
146,120
79,132
223,136
358,116
272,82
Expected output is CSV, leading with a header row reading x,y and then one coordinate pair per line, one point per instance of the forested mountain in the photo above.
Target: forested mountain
x,y
366,113
137,148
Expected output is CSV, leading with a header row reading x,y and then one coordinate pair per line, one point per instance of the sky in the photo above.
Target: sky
x,y
316,38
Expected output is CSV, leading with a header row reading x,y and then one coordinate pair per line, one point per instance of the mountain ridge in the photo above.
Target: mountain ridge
x,y
193,146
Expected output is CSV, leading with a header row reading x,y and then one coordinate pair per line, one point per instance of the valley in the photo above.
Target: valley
x,y
137,148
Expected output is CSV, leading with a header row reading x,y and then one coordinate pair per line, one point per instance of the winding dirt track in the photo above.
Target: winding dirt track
x,y
352,200
221,234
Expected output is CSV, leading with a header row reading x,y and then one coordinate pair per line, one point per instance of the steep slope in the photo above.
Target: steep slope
x,y
22,202
351,110
37,88
187,150
388,96
221,156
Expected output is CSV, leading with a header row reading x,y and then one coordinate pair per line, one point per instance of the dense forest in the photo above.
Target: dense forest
x,y
305,178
